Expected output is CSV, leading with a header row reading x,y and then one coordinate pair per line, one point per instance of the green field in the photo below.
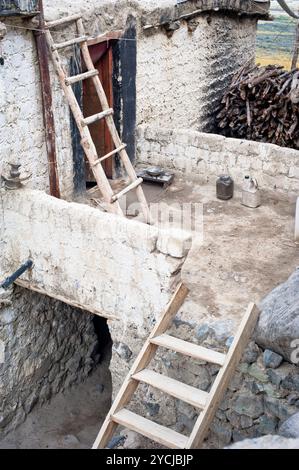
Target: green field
x,y
275,41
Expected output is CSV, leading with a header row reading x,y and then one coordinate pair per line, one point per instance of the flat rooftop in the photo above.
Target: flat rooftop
x,y
245,252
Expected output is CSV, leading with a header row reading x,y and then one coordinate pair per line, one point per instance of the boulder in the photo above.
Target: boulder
x,y
267,442
278,326
290,428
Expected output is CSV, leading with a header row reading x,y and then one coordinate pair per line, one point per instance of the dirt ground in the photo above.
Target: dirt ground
x,y
71,420
244,252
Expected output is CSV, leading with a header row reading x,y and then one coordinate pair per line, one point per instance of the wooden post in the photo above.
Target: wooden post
x,y
42,52
296,49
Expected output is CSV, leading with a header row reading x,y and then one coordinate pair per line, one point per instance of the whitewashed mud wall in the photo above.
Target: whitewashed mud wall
x,y
179,79
107,263
22,135
206,156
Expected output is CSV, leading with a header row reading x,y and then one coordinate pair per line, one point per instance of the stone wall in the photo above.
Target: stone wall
x,y
49,346
263,393
206,156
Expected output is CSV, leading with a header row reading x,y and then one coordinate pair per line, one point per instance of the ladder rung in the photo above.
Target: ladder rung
x,y
66,19
147,428
189,349
186,393
114,152
97,117
129,188
81,77
71,42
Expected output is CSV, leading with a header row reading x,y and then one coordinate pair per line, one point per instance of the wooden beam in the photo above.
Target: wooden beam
x,y
73,303
109,36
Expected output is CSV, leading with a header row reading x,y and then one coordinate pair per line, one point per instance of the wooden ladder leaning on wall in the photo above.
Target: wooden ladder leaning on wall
x,y
207,403
111,199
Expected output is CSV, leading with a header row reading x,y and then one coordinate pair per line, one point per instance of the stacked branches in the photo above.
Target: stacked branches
x,y
262,104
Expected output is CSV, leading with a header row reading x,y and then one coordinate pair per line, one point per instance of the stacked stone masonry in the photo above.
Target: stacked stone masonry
x,y
205,156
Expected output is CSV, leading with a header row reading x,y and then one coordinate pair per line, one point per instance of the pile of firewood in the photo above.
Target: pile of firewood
x,y
262,104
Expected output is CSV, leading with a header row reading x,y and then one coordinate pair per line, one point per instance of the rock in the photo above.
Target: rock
x,y
234,419
241,434
236,382
246,422
117,441
202,332
152,408
221,330
291,382
248,405
185,424
292,399
251,353
123,351
278,408
278,375
278,324
186,410
223,431
290,428
271,359
267,424
255,387
267,442
259,374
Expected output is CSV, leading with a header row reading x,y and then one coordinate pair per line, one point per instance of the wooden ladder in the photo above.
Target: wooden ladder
x,y
111,199
206,402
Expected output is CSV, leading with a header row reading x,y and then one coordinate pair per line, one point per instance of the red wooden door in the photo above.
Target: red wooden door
x,y
103,62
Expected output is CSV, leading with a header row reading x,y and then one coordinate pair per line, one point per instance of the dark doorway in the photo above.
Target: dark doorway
x,y
103,62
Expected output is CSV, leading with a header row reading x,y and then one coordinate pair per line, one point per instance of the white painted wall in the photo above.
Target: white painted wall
x,y
101,261
178,79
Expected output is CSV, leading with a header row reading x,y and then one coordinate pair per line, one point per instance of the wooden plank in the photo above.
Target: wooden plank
x,y
109,36
71,42
82,76
143,359
107,82
126,190
73,303
110,154
224,376
97,117
189,349
62,21
164,436
193,396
